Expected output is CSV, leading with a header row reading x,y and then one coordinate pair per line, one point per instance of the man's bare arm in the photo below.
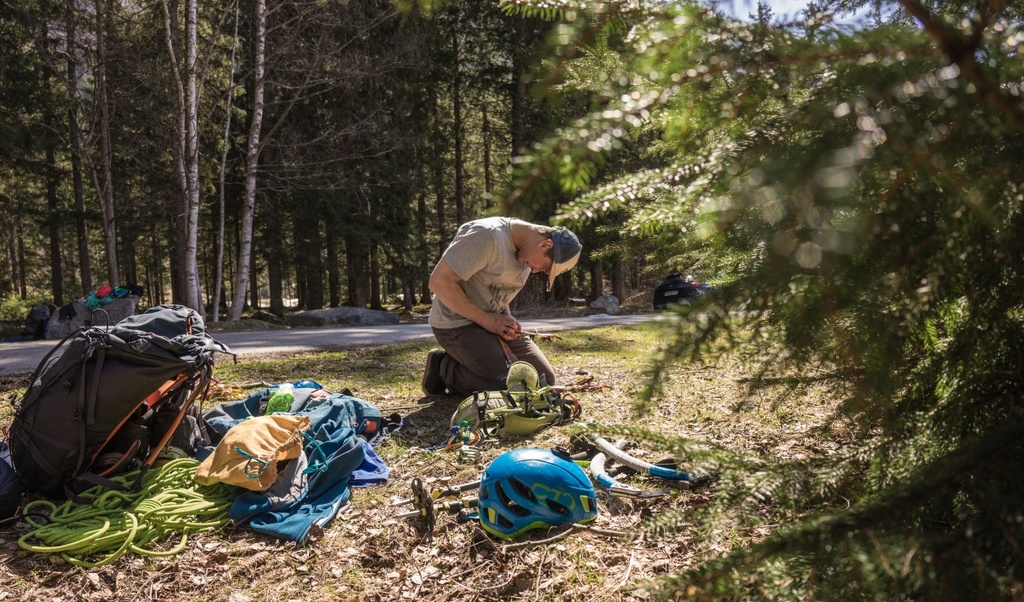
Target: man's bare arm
x,y
446,284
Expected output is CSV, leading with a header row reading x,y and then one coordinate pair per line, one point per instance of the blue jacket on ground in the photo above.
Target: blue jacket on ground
x,y
311,489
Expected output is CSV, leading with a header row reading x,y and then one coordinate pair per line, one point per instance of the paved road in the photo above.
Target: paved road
x,y
22,358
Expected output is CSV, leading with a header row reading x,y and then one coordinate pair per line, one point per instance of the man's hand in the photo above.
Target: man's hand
x,y
515,331
503,325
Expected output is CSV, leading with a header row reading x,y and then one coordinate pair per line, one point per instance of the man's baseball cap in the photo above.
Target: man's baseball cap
x,y
566,252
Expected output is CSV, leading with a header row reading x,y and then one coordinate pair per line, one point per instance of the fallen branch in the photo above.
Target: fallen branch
x,y
560,536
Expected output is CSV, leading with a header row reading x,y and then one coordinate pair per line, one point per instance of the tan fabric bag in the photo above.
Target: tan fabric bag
x,y
248,454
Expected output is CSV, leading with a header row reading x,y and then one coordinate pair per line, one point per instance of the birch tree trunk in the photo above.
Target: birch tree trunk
x,y
191,200
186,156
251,164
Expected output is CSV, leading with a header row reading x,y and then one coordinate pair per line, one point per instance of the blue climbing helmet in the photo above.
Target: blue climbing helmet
x,y
534,488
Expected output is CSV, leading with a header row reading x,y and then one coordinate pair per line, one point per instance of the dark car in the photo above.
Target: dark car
x,y
676,288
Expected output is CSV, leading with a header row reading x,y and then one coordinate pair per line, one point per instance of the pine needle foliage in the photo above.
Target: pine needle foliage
x,y
859,189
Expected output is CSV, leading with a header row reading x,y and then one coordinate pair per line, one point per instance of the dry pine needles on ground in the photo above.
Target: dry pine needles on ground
x,y
369,554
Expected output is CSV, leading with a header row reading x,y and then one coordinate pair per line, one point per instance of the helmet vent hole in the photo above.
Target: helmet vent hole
x,y
502,496
556,507
522,489
508,502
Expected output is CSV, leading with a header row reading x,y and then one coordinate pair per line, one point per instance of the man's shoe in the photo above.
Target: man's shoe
x,y
433,384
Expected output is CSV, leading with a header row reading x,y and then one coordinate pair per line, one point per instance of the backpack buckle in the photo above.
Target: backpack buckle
x,y
480,399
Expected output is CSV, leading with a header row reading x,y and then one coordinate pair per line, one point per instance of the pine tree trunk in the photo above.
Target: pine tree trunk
x,y
106,186
356,260
408,294
11,255
218,278
275,280
75,139
314,270
596,280
443,241
458,129
488,178
254,285
186,105
300,255
22,283
618,278
333,269
517,117
194,297
436,167
374,278
423,251
56,267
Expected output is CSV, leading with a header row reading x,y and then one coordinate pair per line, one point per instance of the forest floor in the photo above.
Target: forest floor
x,y
367,553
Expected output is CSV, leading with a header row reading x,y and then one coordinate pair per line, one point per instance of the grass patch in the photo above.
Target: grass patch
x,y
367,553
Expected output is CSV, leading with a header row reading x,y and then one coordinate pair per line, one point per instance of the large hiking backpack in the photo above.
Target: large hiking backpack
x,y
109,398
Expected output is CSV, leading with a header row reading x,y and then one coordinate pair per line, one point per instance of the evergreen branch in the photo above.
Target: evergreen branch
x,y
961,52
933,480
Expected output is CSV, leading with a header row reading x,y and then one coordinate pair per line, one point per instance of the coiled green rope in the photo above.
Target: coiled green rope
x,y
168,502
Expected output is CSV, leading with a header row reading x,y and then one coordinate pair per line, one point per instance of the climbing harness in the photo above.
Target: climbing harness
x,y
115,523
527,405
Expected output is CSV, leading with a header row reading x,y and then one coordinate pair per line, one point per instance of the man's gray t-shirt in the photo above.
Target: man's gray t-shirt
x,y
484,258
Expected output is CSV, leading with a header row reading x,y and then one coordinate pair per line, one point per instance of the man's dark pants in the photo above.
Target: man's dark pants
x,y
477,361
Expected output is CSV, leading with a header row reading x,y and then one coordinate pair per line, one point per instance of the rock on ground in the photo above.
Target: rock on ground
x,y
609,303
74,316
342,315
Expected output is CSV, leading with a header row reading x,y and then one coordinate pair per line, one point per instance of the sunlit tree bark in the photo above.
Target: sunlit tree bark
x,y
251,164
